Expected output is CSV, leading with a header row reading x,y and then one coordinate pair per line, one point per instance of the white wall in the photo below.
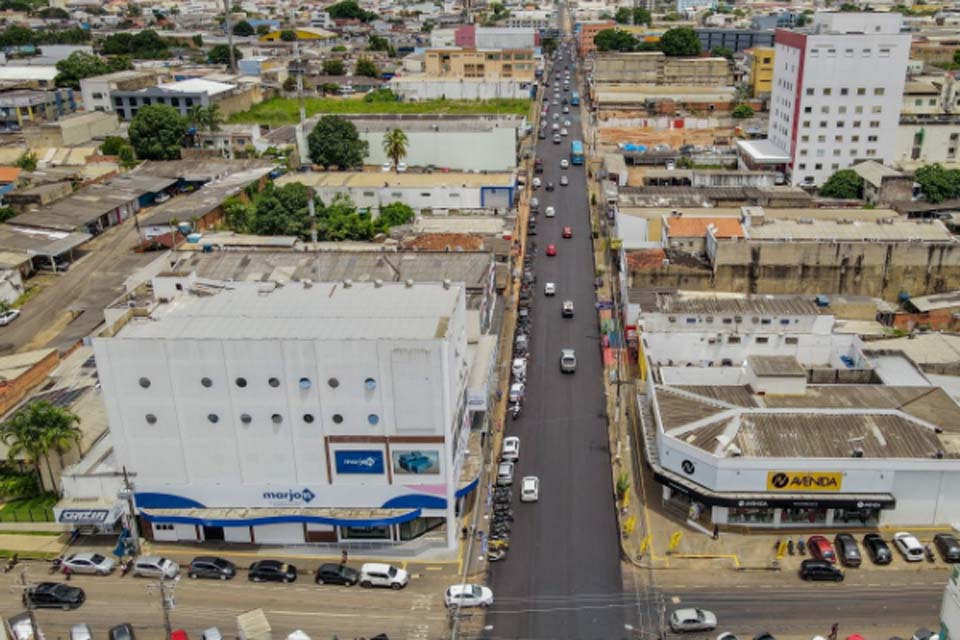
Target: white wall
x,y
938,139
278,533
429,89
494,150
452,196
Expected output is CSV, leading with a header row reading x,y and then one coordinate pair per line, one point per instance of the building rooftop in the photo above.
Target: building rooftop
x,y
776,366
695,227
208,197
305,311
924,348
9,73
887,230
764,151
874,172
197,85
936,301
386,180
708,302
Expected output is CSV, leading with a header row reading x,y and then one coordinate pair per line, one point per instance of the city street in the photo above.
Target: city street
x,y
562,576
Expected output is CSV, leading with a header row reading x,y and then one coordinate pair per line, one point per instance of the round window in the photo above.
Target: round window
x,y
277,418
214,418
305,383
333,382
308,418
337,418
274,382
245,418
373,419
241,382
151,419
207,382
145,383
370,383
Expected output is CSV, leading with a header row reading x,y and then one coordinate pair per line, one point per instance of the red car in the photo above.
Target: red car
x,y
551,249
821,549
567,232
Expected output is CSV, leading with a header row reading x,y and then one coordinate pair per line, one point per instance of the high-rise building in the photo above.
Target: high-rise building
x,y
836,96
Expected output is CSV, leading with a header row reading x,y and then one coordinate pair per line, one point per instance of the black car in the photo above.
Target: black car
x,y
54,595
272,571
550,186
820,570
122,632
847,549
337,574
211,567
948,546
877,549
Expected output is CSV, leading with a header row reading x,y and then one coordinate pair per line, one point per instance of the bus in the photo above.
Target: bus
x,y
576,152
574,98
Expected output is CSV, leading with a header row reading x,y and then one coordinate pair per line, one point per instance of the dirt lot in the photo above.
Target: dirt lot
x,y
673,137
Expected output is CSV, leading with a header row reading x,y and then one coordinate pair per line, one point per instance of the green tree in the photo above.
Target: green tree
x,y
220,54
395,144
281,211
395,214
38,429
27,162
548,44
742,111
722,52
339,49
80,64
290,84
157,132
615,40
330,88
682,41
197,40
843,184
288,35
146,44
937,183
334,67
381,95
262,29
639,16
350,10
956,57
120,147
54,13
239,215
849,7
366,67
335,141
378,43
243,29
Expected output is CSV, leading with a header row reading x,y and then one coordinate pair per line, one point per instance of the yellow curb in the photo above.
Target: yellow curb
x,y
709,556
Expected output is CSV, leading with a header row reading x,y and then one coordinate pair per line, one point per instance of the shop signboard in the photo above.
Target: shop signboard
x,y
359,462
803,481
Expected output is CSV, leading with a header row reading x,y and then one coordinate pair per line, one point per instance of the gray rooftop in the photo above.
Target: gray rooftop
x,y
679,302
776,366
36,242
208,197
889,230
936,301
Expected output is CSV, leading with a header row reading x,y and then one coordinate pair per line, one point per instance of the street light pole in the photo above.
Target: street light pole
x,y
127,494
165,588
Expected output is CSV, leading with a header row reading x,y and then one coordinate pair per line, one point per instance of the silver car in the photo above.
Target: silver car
x,y
505,474
155,567
89,563
568,360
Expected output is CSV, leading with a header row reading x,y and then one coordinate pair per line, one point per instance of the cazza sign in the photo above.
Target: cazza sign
x,y
801,481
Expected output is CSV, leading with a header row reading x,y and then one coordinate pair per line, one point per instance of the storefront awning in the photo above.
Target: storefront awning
x,y
240,517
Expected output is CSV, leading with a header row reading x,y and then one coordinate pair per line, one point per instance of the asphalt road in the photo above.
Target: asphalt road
x,y
562,576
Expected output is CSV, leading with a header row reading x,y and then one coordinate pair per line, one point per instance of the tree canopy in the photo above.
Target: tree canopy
x,y
146,44
38,429
615,40
80,64
335,141
638,15
157,132
16,36
722,52
395,143
220,54
682,41
334,67
243,29
366,67
350,10
742,111
843,184
937,183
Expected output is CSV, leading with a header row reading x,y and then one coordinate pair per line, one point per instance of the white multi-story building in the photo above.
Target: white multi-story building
x,y
836,95
305,412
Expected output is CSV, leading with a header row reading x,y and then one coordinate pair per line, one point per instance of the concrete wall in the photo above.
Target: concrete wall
x,y
938,140
656,68
494,150
431,88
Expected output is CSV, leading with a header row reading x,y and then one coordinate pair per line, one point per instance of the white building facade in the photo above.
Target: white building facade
x,y
321,412
837,93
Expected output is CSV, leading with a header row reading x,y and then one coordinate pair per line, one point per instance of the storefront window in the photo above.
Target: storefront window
x,y
812,515
365,533
858,517
751,516
416,528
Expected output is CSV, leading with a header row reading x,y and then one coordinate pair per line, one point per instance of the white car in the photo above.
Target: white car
x,y
89,563
549,212
511,449
568,360
155,567
564,164
9,316
505,474
563,132
375,574
566,109
401,166
530,489
692,620
550,289
556,116
516,391
567,123
519,367
536,185
564,181
555,127
909,546
468,595
386,166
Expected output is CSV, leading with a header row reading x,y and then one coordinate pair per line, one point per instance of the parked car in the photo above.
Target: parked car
x,y
468,595
816,569
847,550
519,367
272,571
536,185
9,316
57,265
401,167
566,109
821,549
550,186
557,139
211,567
54,595
530,489
549,288
94,563
909,546
386,166
505,474
878,550
81,631
375,574
692,620
567,309
511,449
331,573
563,131
155,567
948,546
516,391
122,632
564,181
551,249
568,360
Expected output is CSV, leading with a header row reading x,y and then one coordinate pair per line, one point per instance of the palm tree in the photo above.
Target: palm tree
x,y
395,146
37,429
211,118
195,117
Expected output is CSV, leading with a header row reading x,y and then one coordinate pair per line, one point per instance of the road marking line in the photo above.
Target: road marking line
x,y
434,568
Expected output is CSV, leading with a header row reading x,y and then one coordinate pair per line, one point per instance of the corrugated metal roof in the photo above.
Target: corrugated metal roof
x,y
894,230
734,303
776,366
936,301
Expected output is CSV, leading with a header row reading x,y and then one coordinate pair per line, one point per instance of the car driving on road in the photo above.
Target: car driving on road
x,y
549,289
551,249
568,360
54,595
692,620
9,316
468,595
530,489
567,232
567,310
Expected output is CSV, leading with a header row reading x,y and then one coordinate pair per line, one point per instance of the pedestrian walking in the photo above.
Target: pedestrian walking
x,y
716,532
343,557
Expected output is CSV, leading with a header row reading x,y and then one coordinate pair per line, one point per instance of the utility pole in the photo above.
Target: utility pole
x,y
24,585
301,135
228,25
165,588
127,494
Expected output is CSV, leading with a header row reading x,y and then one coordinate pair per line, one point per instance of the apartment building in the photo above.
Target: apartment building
x,y
836,96
929,128
587,31
96,90
760,62
486,64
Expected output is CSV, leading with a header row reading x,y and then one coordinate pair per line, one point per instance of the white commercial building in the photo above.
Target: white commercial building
x,y
264,412
416,87
759,415
836,96
505,38
537,19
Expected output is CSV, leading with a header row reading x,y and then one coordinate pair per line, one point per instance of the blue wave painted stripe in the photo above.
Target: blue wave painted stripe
x,y
415,501
165,501
462,491
289,519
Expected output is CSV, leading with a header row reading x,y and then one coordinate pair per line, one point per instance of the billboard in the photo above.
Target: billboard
x,y
417,462
359,461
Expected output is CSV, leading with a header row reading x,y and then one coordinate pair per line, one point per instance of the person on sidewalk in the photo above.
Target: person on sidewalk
x,y
716,532
343,557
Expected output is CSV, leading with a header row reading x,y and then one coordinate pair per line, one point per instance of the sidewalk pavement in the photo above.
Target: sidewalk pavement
x,y
31,546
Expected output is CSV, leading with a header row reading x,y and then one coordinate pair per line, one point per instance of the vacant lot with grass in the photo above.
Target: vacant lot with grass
x,y
38,509
280,111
